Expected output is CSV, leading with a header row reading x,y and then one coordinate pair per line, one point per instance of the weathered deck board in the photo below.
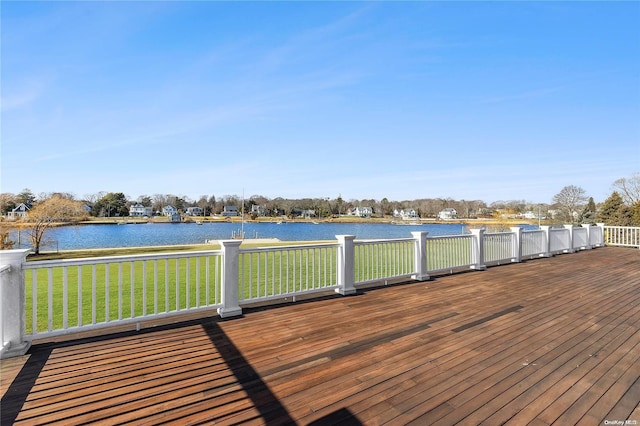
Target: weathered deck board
x,y
548,341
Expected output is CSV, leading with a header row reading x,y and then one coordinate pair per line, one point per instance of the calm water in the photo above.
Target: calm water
x,y
155,234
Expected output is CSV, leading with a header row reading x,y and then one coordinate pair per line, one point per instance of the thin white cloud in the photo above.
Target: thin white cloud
x,y
21,96
531,94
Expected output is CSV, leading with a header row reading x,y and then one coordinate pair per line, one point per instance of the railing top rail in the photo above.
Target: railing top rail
x,y
443,237
498,233
117,259
289,247
383,240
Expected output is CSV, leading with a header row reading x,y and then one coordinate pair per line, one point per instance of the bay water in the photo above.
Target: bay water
x,y
161,234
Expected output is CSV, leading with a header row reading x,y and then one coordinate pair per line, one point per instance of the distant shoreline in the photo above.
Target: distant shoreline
x,y
341,219
237,219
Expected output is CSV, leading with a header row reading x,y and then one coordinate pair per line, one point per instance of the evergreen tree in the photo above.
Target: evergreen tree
x,y
145,200
112,204
26,197
589,213
624,216
212,204
614,212
635,214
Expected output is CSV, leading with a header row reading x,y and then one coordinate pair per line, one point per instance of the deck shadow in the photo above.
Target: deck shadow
x,y
342,417
16,395
270,408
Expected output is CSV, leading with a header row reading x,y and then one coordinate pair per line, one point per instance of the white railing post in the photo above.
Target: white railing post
x,y
517,245
570,228
12,304
420,256
346,264
478,249
602,241
229,291
547,244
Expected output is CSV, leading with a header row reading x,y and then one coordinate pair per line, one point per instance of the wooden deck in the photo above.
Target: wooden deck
x,y
548,341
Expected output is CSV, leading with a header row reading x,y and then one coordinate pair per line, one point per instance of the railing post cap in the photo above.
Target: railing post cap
x,y
346,237
230,243
9,256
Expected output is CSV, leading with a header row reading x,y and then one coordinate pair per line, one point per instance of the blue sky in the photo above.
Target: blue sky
x,y
463,100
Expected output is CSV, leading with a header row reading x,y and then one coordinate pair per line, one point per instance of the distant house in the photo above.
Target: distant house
x,y
139,210
308,214
447,214
484,212
258,210
19,212
362,211
169,211
230,211
555,213
194,211
409,214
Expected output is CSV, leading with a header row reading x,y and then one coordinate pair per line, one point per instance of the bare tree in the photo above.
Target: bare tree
x,y
7,202
159,201
629,189
54,210
570,200
5,242
92,198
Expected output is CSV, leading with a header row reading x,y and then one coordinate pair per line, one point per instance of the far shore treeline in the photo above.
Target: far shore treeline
x,y
571,205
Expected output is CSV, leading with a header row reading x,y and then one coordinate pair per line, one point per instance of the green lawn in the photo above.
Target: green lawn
x,y
122,290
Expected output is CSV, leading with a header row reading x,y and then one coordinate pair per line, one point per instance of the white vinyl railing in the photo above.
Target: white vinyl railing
x,y
268,273
499,247
378,260
624,236
596,235
534,243
450,253
48,298
560,240
69,295
580,238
